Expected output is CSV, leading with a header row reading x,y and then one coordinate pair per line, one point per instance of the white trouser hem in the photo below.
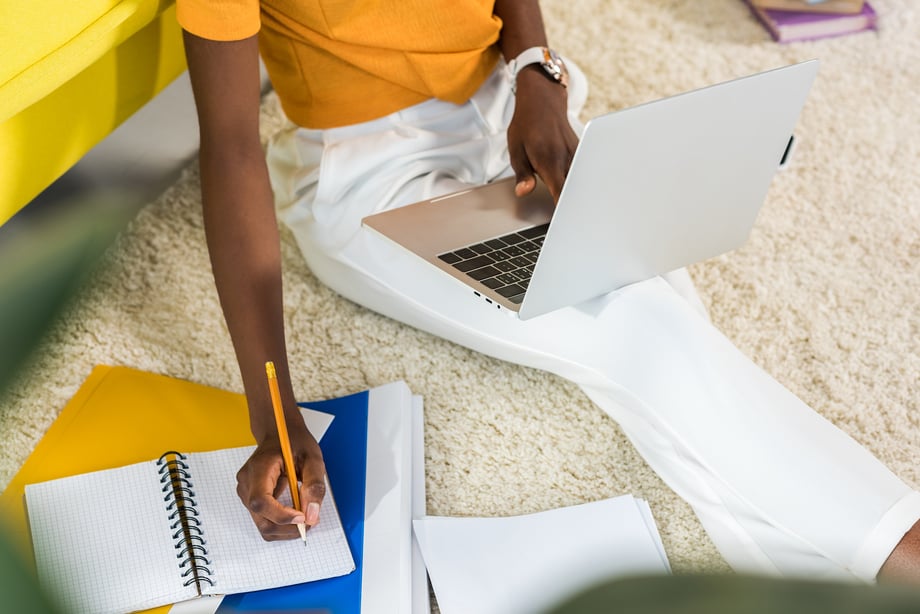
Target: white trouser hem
x,y
879,544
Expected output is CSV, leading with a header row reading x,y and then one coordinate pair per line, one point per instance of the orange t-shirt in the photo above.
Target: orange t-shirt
x,y
341,62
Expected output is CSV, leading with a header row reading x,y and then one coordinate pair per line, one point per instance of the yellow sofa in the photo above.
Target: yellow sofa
x,y
70,73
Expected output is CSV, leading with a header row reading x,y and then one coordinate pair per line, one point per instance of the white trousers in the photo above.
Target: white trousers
x,y
778,488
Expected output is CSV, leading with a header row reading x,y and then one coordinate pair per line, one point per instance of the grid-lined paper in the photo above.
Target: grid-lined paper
x,y
103,541
242,560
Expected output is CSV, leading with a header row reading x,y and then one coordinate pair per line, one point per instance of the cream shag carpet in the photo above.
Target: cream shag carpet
x,y
823,296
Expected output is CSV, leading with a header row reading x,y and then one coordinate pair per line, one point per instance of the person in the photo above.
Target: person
x,y
392,102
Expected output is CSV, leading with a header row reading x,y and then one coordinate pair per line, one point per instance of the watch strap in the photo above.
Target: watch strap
x,y
532,55
548,59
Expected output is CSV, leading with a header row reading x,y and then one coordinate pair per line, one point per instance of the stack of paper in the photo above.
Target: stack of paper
x,y
530,563
372,445
379,489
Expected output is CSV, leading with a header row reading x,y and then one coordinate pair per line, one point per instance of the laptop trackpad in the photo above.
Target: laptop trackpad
x,y
456,220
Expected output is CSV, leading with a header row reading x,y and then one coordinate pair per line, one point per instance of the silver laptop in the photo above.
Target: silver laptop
x,y
651,189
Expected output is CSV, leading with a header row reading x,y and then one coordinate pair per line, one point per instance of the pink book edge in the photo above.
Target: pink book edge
x,y
773,20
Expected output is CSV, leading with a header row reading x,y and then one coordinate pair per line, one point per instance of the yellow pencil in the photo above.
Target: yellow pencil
x,y
285,442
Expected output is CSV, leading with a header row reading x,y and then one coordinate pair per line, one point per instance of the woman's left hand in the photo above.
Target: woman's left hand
x,y
541,141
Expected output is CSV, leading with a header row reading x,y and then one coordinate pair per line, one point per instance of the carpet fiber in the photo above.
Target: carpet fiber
x,y
823,296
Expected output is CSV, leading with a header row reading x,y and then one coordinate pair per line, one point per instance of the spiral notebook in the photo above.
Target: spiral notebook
x,y
167,530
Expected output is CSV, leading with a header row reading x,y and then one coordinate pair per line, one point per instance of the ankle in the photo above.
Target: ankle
x,y
903,564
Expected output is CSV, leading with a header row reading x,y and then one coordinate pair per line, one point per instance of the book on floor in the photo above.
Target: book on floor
x,y
804,6
793,26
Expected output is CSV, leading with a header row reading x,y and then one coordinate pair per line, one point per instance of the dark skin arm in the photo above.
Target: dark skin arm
x,y
244,245
540,139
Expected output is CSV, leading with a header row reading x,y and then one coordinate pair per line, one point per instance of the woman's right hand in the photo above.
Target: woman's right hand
x,y
262,479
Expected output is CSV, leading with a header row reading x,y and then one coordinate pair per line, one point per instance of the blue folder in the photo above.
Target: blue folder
x,y
344,447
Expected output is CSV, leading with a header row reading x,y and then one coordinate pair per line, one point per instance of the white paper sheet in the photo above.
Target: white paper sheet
x,y
386,580
528,563
421,600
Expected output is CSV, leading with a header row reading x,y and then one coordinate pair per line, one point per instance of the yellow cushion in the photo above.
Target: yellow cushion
x,y
59,97
44,43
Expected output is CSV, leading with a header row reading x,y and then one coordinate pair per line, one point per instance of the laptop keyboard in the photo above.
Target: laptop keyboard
x,y
504,264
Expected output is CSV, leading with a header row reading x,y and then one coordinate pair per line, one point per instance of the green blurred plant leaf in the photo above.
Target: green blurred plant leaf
x,y
43,263
738,594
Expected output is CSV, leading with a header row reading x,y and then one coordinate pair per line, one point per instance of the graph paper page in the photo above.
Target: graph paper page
x,y
102,540
241,559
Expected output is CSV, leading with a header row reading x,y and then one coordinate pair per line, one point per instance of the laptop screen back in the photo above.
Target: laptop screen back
x,y
666,184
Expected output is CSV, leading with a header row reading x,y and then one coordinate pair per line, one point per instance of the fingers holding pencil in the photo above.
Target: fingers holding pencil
x,y
288,457
312,487
310,482
262,480
284,441
312,494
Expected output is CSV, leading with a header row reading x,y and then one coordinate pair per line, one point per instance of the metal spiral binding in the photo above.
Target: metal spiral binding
x,y
179,494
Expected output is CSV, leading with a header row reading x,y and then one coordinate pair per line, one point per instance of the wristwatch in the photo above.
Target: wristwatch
x,y
549,61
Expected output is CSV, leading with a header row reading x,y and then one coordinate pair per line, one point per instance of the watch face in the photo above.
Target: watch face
x,y
550,61
555,67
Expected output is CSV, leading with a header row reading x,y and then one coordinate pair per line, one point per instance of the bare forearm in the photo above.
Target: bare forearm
x,y
243,242
239,216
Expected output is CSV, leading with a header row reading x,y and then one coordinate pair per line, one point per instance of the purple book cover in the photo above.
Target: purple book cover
x,y
790,26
